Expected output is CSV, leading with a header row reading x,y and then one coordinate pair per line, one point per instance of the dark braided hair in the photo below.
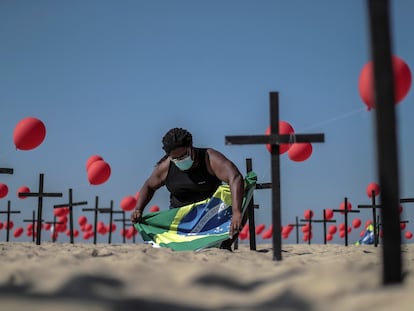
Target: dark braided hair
x,y
176,137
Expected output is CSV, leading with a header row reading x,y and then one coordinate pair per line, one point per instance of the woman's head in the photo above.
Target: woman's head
x,y
176,138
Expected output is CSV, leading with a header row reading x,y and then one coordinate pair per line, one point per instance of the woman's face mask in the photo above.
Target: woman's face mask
x,y
184,163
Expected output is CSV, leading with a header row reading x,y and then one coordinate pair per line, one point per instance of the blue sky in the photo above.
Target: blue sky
x,y
111,77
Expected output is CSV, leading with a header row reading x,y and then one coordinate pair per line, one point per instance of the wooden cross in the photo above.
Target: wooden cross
x,y
374,207
95,210
109,211
346,211
8,212
386,137
324,221
297,225
54,223
40,195
33,221
275,139
250,209
70,205
123,220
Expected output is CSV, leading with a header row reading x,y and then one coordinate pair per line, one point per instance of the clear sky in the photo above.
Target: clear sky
x,y
111,77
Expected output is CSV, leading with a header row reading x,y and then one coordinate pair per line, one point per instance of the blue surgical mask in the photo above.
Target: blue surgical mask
x,y
185,163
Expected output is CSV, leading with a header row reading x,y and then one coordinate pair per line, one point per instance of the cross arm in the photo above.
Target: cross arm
x,y
6,171
45,194
273,139
73,204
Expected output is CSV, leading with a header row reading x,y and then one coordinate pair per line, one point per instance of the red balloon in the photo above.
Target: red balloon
x,y
82,220
92,159
128,203
287,229
4,190
402,82
268,233
99,172
153,208
342,206
18,232
299,152
408,235
308,214
22,189
372,187
356,223
284,128
329,237
260,228
29,133
332,229
1,225
243,235
329,214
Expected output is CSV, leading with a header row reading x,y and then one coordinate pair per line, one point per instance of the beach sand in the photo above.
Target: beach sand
x,y
62,276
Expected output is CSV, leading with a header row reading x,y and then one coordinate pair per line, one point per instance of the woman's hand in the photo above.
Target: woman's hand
x,y
136,216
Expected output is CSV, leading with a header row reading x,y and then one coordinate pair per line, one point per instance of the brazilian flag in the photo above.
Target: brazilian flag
x,y
195,226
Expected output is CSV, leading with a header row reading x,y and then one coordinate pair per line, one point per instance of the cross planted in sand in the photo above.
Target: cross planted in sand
x,y
275,139
8,212
70,205
40,195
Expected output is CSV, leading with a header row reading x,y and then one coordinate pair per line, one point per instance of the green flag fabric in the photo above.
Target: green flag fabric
x,y
195,226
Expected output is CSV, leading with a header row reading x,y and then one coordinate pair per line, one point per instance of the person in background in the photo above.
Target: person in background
x,y
191,175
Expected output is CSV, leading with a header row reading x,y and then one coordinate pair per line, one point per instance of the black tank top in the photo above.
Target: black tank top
x,y
193,185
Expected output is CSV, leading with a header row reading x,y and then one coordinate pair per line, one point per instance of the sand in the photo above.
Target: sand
x,y
63,276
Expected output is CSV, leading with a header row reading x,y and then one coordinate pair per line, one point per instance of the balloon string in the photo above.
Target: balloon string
x,y
266,173
343,116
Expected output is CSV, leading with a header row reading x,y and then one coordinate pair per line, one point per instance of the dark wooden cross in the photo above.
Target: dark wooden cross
x,y
8,212
33,222
40,195
324,221
275,139
54,223
379,224
374,208
124,221
111,212
70,205
296,225
6,170
386,137
95,221
346,211
251,207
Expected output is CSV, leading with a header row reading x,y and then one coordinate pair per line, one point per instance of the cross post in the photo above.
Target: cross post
x,y
70,205
8,212
40,195
109,211
297,225
386,137
33,221
54,223
251,207
346,211
274,138
324,221
123,220
95,222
